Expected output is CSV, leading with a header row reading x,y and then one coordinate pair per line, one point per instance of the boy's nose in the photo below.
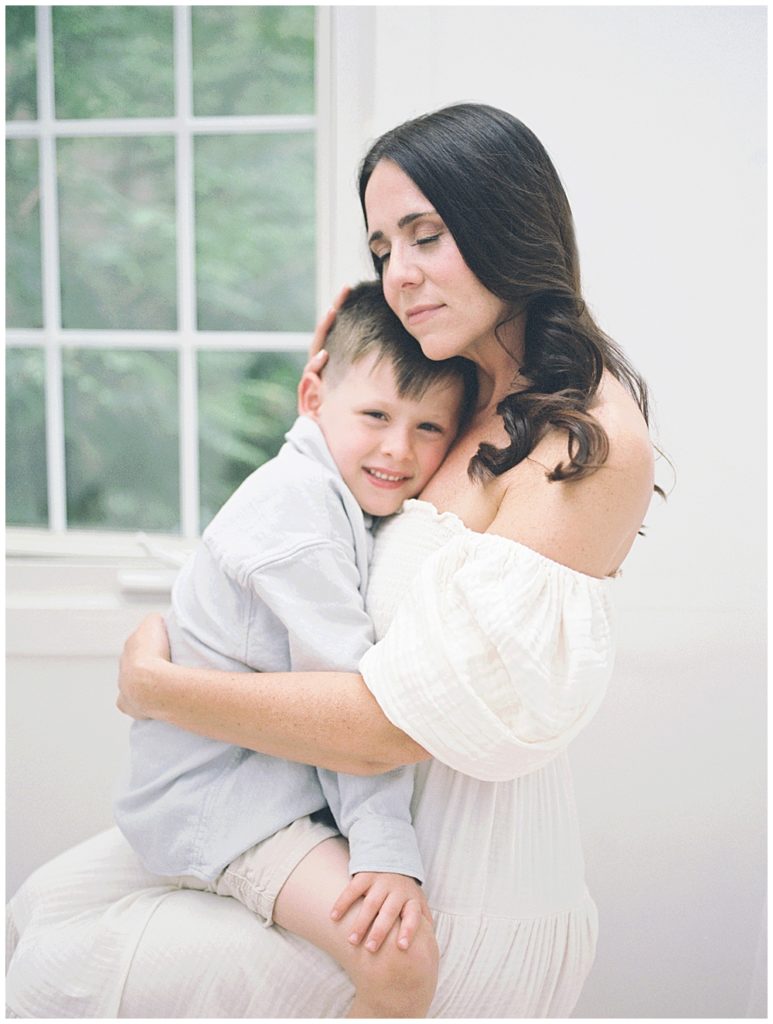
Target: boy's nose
x,y
396,443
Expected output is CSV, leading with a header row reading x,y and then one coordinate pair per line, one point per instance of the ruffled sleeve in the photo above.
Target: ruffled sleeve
x,y
496,656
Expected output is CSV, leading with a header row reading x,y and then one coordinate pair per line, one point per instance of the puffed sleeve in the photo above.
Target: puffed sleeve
x,y
496,656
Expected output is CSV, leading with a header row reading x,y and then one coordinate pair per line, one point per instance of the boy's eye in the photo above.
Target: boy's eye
x,y
432,428
376,414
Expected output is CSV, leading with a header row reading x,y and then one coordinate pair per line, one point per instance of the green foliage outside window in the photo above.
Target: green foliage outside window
x,y
26,501
113,62
117,233
24,288
253,60
121,438
20,64
246,404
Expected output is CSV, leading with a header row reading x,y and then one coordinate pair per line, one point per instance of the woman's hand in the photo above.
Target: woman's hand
x,y
317,354
148,642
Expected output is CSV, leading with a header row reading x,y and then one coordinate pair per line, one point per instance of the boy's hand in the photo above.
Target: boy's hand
x,y
386,897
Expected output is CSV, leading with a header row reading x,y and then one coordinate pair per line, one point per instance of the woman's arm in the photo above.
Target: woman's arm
x,y
328,719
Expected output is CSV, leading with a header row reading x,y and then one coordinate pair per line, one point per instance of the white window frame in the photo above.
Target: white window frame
x,y
186,340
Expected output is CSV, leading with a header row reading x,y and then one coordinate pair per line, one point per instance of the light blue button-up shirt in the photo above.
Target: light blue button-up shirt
x,y
277,583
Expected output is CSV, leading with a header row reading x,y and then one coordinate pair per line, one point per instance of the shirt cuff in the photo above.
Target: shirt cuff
x,y
378,843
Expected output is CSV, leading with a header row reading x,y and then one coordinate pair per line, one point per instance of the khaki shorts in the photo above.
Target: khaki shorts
x,y
255,877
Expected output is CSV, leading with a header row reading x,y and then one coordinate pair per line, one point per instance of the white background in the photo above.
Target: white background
x,y
655,118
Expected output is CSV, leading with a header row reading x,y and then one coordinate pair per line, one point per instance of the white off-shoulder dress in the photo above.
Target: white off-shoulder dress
x,y
492,657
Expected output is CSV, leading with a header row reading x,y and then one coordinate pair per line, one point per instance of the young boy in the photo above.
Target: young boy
x,y
277,584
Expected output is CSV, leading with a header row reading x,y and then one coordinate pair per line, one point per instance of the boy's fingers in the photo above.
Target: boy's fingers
x,y
356,887
382,926
371,905
409,922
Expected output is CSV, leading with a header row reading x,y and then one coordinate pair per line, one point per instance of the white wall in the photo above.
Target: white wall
x,y
66,742
655,118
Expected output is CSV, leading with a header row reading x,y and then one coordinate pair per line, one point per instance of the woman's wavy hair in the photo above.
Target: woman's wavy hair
x,y
495,187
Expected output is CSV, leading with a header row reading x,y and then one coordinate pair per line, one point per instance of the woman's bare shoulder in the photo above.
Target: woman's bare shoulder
x,y
588,524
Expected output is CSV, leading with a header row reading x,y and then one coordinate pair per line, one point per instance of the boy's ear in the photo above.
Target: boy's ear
x,y
310,391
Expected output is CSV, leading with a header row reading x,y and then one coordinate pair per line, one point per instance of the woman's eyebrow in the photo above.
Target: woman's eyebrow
x,y
403,222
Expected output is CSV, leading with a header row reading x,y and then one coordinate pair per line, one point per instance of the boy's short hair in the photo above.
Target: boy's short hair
x,y
365,324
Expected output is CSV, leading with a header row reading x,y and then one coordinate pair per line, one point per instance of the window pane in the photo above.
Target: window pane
x,y
21,102
117,233
121,439
25,438
23,295
255,232
253,60
113,61
246,404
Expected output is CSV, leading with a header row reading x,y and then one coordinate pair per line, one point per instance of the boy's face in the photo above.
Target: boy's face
x,y
386,447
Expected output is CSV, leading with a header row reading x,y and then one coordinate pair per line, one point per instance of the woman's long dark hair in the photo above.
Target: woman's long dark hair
x,y
494,185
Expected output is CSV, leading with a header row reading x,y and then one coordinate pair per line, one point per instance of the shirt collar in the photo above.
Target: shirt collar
x,y
306,437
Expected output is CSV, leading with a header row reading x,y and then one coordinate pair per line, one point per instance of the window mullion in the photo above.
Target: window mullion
x,y
325,149
52,313
186,276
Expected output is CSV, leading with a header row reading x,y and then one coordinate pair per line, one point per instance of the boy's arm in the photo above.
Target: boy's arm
x,y
384,859
374,813
316,596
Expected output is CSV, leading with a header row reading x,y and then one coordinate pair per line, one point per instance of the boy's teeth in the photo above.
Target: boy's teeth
x,y
384,476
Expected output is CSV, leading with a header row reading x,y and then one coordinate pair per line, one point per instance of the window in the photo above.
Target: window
x,y
161,252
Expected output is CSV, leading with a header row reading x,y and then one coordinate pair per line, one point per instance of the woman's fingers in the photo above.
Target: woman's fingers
x,y
149,640
323,327
152,638
317,354
316,362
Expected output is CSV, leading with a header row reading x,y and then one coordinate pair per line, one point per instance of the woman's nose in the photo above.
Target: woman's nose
x,y
402,270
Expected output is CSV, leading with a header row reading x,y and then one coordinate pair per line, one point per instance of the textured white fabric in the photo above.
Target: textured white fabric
x,y
496,656
99,937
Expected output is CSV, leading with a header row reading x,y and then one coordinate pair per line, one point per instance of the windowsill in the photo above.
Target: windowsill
x,y
23,543
79,593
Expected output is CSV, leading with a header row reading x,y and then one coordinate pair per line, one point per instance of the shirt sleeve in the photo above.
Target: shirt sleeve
x,y
496,657
374,814
315,594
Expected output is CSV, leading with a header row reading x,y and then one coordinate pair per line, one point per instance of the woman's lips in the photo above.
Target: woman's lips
x,y
418,314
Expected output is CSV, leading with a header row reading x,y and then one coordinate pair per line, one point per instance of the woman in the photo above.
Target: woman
x,y
491,596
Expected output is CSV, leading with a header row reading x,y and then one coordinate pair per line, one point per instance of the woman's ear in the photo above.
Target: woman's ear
x,y
310,394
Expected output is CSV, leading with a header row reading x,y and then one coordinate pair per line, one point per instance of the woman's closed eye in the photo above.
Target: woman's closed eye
x,y
382,257
427,239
